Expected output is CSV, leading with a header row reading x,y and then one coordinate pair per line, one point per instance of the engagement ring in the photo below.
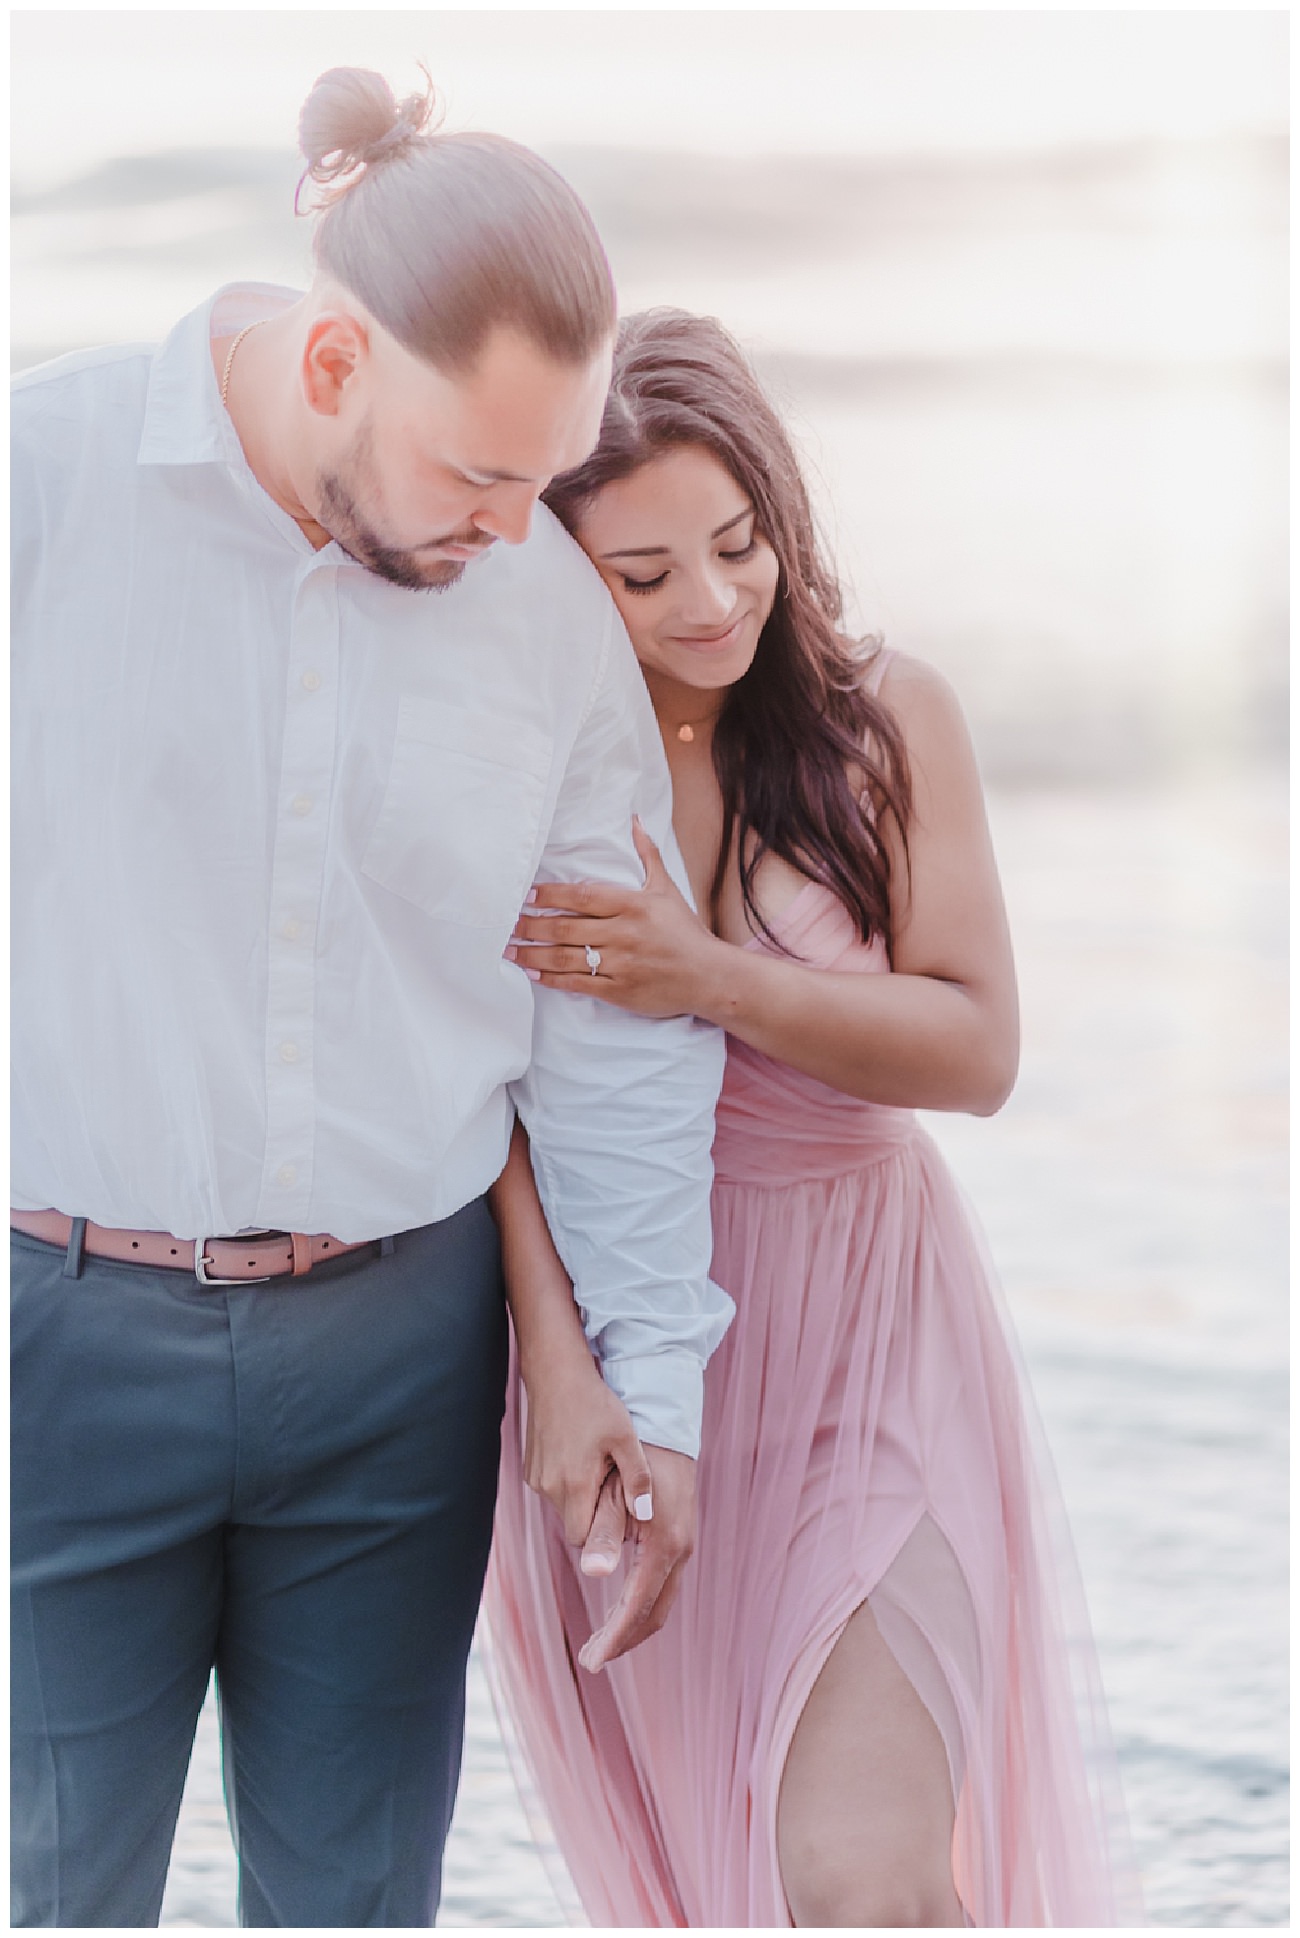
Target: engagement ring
x,y
593,958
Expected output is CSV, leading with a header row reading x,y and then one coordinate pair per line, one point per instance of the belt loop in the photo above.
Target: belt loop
x,y
387,1247
76,1257
301,1254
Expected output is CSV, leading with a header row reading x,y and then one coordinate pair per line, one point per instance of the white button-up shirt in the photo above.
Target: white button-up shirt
x,y
273,821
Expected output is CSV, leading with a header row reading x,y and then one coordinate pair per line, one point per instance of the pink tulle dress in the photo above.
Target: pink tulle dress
x,y
867,1438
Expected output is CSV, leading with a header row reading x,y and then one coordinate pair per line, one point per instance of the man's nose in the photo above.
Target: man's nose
x,y
507,512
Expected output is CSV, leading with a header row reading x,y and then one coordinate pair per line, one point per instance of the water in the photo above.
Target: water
x,y
1134,1196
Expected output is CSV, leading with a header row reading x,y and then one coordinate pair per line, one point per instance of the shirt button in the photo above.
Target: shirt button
x,y
288,1053
302,804
311,681
291,928
287,1175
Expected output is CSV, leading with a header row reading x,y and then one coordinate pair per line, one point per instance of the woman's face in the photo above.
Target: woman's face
x,y
677,546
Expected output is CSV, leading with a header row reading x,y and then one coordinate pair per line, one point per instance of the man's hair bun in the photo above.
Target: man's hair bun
x,y
351,120
442,236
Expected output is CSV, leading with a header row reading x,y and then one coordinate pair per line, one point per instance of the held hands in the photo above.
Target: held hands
x,y
649,951
582,1454
663,1547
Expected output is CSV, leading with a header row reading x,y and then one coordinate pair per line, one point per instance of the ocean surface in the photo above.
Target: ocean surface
x,y
1133,1191
1043,405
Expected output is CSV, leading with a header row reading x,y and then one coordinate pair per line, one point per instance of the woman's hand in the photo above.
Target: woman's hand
x,y
579,1435
654,952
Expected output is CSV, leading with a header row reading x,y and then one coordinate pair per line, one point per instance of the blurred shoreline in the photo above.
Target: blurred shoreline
x,y
1041,399
776,220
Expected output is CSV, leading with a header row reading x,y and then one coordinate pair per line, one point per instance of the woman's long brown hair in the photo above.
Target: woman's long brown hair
x,y
800,722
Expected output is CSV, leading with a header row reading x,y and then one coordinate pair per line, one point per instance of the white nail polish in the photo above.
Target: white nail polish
x,y
643,1508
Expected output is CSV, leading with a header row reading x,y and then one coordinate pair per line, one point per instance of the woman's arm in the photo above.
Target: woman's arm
x,y
548,1329
939,1032
581,1450
577,1427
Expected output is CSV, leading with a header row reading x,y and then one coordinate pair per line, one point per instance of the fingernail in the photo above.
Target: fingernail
x,y
531,896
597,1564
511,952
533,975
643,1508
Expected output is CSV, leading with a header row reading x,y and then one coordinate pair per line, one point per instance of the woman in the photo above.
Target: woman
x,y
860,1711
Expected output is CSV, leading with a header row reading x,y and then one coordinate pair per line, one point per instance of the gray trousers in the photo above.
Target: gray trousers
x,y
293,1482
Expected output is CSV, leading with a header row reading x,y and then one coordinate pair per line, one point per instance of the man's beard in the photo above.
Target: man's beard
x,y
343,521
342,518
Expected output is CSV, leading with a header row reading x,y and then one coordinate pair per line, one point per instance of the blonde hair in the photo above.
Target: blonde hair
x,y
443,236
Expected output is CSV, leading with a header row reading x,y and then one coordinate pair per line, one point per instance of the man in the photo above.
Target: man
x,y
305,696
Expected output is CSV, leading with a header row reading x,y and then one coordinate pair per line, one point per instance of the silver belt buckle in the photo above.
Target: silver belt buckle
x,y
201,1274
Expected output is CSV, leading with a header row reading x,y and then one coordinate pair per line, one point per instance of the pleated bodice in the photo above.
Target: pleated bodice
x,y
776,1125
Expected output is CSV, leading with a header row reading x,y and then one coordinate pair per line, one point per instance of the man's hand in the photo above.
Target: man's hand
x,y
663,1546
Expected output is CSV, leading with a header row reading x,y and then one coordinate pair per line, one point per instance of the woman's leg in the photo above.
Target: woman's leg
x,y
865,1816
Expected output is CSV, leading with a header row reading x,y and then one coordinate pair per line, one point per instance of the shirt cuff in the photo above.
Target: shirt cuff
x,y
664,1393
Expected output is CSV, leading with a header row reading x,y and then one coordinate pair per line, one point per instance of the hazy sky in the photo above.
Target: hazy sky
x,y
88,84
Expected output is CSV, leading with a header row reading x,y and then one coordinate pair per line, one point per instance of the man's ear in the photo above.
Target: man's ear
x,y
336,352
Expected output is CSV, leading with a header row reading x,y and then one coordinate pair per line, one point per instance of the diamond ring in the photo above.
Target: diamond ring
x,y
593,958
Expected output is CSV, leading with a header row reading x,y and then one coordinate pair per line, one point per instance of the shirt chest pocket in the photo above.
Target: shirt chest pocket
x,y
457,832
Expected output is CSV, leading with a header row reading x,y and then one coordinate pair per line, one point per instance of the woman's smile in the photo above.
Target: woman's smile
x,y
716,642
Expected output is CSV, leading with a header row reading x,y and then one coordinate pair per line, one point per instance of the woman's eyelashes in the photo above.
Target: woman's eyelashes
x,y
653,585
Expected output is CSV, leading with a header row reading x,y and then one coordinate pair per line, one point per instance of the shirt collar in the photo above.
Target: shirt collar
x,y
185,421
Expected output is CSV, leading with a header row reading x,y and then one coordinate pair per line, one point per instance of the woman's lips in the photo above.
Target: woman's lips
x,y
710,642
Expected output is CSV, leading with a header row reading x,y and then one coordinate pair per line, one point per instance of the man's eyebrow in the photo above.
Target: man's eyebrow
x,y
657,551
475,476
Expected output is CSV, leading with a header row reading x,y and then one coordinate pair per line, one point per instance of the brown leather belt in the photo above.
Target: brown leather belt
x,y
213,1261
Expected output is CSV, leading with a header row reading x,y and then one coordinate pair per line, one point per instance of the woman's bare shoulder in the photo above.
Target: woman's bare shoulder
x,y
923,702
909,685
935,732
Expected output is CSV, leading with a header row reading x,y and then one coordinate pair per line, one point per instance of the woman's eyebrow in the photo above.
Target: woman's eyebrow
x,y
657,551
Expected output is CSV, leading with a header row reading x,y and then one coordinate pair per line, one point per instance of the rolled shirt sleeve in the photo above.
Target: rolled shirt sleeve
x,y
619,1108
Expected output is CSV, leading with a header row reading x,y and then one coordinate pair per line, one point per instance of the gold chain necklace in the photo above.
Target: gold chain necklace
x,y
230,356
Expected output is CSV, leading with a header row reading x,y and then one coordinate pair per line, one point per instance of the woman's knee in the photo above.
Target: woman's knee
x,y
836,1890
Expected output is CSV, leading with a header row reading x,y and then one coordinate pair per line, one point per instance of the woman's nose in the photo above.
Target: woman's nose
x,y
710,600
